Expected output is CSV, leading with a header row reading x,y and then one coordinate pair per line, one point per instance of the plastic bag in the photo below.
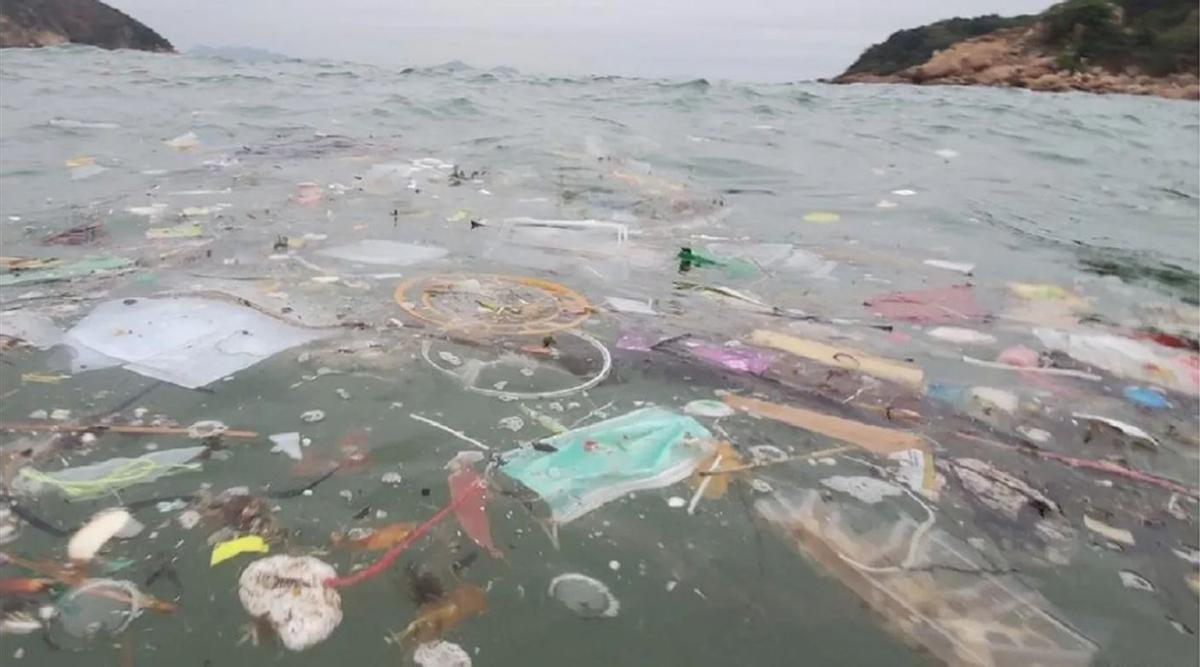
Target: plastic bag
x,y
937,590
98,479
1127,358
97,608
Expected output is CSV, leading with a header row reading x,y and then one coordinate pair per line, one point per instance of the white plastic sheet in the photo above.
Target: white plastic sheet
x,y
187,341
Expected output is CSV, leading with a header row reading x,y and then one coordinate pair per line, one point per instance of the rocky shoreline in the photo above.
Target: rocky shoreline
x,y
1012,58
37,23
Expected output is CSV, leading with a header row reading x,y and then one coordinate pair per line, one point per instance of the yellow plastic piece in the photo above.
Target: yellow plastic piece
x,y
242,545
1038,291
821,217
42,378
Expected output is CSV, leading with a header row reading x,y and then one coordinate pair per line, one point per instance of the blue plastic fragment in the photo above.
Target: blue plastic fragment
x,y
948,393
1146,398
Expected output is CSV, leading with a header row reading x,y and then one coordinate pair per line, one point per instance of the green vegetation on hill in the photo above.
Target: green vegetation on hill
x,y
912,47
1158,36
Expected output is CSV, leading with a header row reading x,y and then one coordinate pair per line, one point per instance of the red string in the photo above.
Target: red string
x,y
392,554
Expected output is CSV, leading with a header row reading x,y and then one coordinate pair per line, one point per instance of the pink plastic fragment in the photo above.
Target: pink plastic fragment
x,y
1019,356
471,514
740,359
932,306
635,342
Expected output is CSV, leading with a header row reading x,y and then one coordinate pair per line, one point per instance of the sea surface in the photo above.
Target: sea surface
x,y
812,199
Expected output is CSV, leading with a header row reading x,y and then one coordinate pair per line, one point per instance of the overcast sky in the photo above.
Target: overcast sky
x,y
761,40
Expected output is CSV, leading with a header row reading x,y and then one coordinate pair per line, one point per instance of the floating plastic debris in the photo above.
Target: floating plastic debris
x,y
493,304
10,525
999,490
884,369
187,341
380,251
513,423
821,217
184,231
392,478
84,267
248,544
1189,554
1146,397
871,438
1126,357
739,358
933,306
708,408
99,479
961,336
19,623
643,449
1131,579
287,444
941,592
587,597
870,490
959,267
312,416
36,329
104,526
167,506
289,593
188,519
471,512
206,429
183,142
1034,434
438,617
98,609
441,654
631,306
1138,435
1108,532
990,399
374,539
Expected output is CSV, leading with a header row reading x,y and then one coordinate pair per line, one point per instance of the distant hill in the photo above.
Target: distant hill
x,y
33,23
1124,46
912,47
239,53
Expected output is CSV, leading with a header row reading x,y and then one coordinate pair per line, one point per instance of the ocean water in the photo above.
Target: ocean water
x,y
815,198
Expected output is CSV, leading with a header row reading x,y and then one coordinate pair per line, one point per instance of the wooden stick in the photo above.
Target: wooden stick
x,y
115,428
